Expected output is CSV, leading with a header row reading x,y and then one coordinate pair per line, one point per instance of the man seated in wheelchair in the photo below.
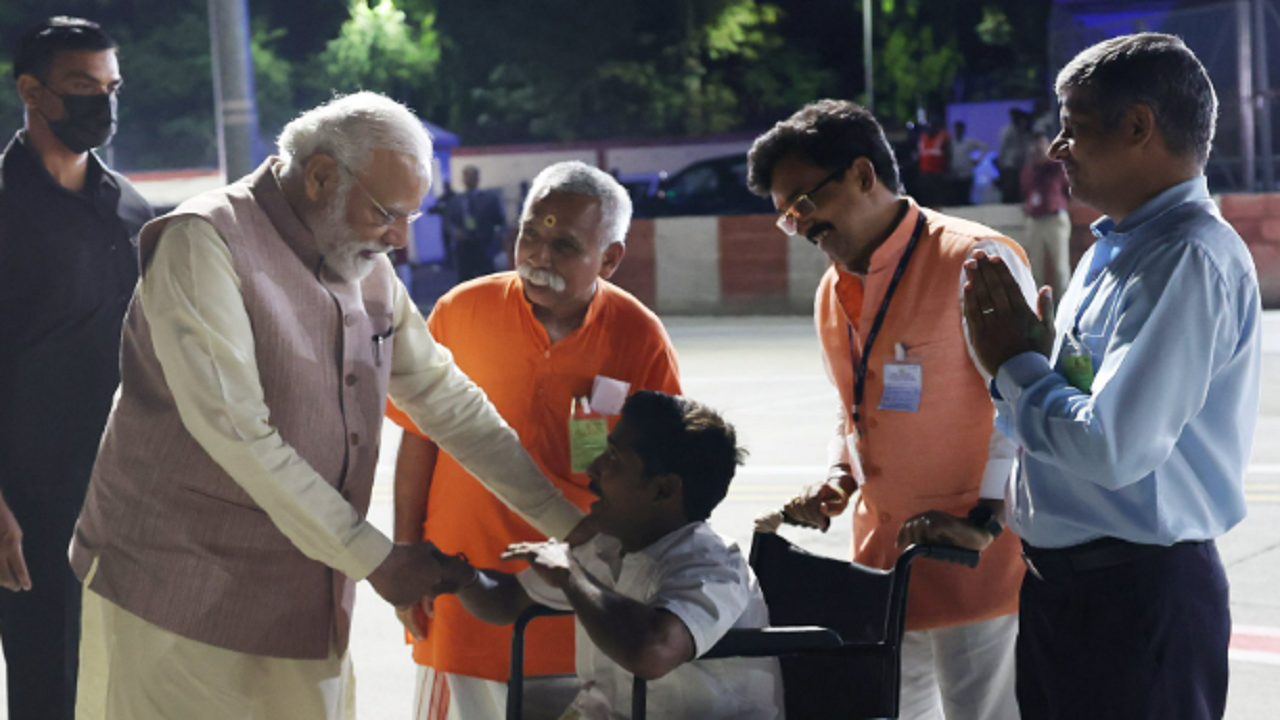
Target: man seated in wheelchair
x,y
657,587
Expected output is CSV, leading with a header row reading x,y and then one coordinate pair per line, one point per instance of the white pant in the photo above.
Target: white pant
x,y
445,696
964,672
131,669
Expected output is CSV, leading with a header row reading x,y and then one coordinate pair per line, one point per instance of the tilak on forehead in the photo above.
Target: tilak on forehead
x,y
549,220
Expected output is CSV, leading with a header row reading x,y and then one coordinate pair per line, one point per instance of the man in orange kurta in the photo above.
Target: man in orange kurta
x,y
535,340
916,432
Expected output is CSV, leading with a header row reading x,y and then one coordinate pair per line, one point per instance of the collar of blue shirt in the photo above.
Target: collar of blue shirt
x,y
1111,236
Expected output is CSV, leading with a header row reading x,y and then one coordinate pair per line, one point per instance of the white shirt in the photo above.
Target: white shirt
x,y
962,156
701,578
205,344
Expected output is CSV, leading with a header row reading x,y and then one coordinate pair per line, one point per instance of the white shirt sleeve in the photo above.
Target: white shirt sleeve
x,y
1001,451
708,591
446,405
204,342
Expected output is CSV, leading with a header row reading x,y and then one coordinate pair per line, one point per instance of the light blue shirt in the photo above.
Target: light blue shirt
x,y
1167,303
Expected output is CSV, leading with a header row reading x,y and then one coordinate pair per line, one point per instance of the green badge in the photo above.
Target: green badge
x,y
588,435
1077,363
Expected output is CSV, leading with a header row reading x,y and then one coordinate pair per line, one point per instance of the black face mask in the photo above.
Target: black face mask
x,y
88,121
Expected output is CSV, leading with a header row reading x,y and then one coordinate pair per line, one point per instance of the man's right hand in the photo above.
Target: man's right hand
x,y
820,502
410,573
13,566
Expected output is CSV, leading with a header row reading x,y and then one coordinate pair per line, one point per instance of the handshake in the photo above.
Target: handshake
x,y
413,572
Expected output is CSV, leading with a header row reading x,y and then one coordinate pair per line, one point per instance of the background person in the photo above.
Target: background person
x,y
476,223
1014,139
967,153
68,265
1045,203
534,340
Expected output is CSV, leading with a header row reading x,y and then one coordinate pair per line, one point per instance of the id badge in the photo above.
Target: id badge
x,y
588,435
1077,363
903,382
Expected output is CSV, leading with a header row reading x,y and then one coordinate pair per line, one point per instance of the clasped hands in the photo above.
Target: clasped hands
x,y
1001,324
451,573
413,572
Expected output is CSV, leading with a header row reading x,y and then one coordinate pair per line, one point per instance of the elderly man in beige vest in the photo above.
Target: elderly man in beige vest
x,y
225,524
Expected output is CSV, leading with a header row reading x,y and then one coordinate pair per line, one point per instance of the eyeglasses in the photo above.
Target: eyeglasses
x,y
389,218
803,206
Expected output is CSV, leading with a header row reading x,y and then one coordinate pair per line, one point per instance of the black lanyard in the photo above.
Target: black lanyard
x,y
859,385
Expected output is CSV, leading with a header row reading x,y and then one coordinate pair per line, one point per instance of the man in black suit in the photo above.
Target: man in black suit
x,y
475,221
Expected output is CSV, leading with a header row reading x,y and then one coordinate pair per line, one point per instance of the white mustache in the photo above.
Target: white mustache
x,y
541,278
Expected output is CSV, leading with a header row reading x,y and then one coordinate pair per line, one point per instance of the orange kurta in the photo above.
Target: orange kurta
x,y
490,328
932,459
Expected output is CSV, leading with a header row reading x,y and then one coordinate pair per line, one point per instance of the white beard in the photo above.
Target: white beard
x,y
541,278
342,252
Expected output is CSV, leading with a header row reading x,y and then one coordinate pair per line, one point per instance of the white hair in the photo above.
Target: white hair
x,y
578,178
351,127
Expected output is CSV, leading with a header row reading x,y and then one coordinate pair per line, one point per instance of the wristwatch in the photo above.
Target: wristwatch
x,y
983,517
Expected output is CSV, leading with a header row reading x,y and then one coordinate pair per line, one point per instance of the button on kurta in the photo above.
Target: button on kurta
x,y
351,379
355,438
349,319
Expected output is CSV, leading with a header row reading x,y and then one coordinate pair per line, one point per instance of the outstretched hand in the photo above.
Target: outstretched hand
x,y
549,559
1001,324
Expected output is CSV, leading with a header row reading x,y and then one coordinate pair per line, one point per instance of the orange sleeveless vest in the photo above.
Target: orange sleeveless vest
x,y
932,459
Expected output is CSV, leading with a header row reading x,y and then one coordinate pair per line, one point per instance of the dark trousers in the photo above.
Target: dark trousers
x,y
40,628
1140,639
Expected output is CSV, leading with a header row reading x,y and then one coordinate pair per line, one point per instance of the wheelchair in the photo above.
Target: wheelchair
x,y
836,628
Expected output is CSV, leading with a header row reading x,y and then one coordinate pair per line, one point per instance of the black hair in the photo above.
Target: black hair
x,y
831,134
688,439
40,45
1151,69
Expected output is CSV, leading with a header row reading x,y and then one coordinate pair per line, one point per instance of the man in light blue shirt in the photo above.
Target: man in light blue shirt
x,y
1135,410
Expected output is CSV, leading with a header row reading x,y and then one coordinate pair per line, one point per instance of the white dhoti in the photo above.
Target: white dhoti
x,y
133,670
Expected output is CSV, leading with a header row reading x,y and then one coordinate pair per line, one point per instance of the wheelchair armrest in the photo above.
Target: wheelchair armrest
x,y
941,553
769,642
952,554
534,612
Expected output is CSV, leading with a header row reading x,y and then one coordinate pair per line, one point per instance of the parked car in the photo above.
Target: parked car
x,y
715,186
641,186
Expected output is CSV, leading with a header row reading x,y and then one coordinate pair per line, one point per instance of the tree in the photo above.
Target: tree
x,y
564,70
379,49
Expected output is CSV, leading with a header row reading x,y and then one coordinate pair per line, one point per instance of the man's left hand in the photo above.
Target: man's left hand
x,y
938,528
1001,324
549,559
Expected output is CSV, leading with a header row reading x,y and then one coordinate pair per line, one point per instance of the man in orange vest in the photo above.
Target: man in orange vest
x,y
916,421
935,156
536,341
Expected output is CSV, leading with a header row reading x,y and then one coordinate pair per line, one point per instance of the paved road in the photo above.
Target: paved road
x,y
765,375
